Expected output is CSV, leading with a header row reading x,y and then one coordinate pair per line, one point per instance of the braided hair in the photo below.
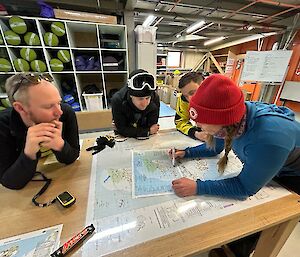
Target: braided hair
x,y
210,142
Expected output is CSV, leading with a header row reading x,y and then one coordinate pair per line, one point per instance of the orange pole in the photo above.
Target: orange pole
x,y
242,8
276,3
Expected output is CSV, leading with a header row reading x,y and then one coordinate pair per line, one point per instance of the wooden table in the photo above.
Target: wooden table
x,y
18,215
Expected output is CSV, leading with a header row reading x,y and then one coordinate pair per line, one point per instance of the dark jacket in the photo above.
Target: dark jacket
x,y
16,169
130,121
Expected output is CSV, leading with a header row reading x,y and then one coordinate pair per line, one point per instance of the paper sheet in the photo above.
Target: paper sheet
x,y
39,243
52,159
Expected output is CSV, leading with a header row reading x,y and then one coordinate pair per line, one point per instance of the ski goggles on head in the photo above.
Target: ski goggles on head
x,y
141,80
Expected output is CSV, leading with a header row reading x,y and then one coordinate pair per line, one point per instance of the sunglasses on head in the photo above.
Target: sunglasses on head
x,y
141,80
31,78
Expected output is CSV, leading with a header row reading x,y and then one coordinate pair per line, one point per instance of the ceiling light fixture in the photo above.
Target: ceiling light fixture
x,y
215,40
195,26
250,27
149,20
158,21
157,7
177,23
204,27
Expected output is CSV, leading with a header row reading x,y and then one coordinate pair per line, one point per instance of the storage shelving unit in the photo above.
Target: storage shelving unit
x,y
161,65
107,43
161,60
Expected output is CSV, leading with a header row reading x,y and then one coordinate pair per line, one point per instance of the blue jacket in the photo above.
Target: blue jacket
x,y
269,147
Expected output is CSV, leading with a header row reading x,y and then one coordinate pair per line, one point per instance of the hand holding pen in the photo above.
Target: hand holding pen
x,y
173,156
176,154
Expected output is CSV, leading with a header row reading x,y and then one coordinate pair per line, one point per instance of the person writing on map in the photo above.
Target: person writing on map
x,y
265,137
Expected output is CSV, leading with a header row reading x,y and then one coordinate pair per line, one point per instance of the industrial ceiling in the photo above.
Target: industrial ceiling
x,y
224,20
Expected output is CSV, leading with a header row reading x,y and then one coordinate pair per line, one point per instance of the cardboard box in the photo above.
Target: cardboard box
x,y
166,94
175,81
94,121
84,16
160,90
169,79
247,95
173,98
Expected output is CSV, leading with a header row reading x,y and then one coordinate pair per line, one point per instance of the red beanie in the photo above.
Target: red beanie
x,y
218,101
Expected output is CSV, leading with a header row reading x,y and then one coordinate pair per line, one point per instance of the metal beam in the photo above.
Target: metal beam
x,y
191,17
229,6
243,40
129,22
280,13
130,5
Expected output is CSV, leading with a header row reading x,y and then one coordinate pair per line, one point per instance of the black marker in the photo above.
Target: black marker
x,y
66,247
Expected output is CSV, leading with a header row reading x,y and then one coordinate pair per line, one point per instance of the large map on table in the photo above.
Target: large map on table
x,y
111,181
153,172
122,221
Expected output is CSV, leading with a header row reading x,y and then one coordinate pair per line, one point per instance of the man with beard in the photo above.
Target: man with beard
x,y
36,120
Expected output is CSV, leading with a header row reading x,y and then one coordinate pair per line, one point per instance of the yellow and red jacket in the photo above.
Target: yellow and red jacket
x,y
182,118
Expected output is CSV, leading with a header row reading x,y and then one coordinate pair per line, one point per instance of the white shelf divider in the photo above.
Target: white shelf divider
x,y
5,44
75,44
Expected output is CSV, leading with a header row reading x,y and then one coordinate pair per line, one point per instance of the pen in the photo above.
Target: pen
x,y
173,156
106,178
66,247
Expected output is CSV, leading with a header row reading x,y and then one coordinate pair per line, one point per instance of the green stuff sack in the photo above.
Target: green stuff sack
x,y
21,65
28,54
18,25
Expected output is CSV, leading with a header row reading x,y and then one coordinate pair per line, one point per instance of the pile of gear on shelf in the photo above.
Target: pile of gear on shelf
x,y
28,58
87,62
70,95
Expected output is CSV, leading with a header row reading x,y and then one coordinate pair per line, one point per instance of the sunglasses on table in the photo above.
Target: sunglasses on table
x,y
31,78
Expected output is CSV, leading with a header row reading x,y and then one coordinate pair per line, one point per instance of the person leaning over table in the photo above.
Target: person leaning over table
x,y
188,85
37,119
135,107
265,137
